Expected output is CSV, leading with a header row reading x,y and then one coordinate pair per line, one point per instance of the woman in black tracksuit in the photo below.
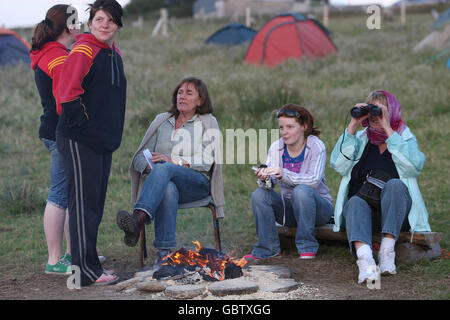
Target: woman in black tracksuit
x,y
93,96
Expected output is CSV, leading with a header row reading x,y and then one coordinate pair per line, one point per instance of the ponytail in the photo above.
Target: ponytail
x,y
49,29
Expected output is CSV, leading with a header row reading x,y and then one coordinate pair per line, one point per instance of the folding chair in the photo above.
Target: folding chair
x,y
206,203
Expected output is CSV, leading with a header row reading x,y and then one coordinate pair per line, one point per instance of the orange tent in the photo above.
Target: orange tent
x,y
289,35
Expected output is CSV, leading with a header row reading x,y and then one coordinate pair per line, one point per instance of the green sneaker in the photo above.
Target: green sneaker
x,y
67,259
63,266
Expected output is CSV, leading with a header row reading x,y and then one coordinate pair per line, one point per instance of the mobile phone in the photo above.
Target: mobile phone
x,y
260,166
148,156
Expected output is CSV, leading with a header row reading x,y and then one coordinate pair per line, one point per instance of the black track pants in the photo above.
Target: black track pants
x,y
87,175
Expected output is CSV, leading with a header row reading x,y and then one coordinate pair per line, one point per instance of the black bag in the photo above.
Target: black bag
x,y
371,189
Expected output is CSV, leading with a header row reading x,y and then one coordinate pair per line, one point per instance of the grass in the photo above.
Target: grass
x,y
244,96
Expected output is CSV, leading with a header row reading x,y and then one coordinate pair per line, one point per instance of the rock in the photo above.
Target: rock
x,y
188,291
233,286
152,286
128,283
145,274
280,271
280,285
130,290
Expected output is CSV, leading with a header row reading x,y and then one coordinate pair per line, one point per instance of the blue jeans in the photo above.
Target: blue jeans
x,y
306,209
361,220
166,186
58,185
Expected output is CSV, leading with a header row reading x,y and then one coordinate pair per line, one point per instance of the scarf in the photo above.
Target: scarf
x,y
377,137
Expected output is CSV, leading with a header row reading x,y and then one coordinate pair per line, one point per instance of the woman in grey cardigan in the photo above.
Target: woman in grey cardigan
x,y
185,166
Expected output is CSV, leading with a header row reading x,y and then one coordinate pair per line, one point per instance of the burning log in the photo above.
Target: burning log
x,y
168,271
233,271
209,263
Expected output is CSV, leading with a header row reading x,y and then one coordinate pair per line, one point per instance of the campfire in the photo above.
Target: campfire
x,y
209,264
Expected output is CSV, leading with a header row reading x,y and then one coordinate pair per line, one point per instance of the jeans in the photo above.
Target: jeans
x,y
361,220
306,209
166,186
58,186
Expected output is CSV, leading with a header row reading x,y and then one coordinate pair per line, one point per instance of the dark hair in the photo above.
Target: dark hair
x,y
49,29
200,86
305,118
110,6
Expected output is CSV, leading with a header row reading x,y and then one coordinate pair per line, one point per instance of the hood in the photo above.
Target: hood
x,y
92,40
36,55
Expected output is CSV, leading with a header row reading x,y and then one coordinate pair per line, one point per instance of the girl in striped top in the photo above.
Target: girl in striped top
x,y
297,162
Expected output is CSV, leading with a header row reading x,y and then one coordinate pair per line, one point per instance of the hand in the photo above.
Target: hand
x,y
261,173
355,122
384,120
264,173
277,172
159,157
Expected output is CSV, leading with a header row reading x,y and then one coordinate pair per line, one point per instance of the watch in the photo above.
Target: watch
x,y
180,162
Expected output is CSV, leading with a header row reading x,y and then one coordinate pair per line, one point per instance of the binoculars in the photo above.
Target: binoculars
x,y
358,112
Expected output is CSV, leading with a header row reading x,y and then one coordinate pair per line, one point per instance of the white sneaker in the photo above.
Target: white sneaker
x,y
386,259
368,269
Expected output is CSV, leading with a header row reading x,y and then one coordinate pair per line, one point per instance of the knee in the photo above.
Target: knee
x,y
162,168
258,195
395,189
394,185
355,205
302,192
171,191
261,198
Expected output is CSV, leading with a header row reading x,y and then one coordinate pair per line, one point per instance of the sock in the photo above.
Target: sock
x,y
364,250
387,244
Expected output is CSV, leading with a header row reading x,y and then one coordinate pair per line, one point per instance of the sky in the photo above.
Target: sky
x,y
27,13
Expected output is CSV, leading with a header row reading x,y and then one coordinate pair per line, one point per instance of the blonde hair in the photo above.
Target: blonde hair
x,y
377,95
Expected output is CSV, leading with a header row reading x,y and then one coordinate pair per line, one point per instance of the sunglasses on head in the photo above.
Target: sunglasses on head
x,y
288,113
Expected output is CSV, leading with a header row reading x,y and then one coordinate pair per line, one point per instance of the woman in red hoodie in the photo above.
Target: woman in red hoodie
x,y
92,92
52,36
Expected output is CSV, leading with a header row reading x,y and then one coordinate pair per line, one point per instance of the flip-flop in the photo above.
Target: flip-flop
x,y
106,279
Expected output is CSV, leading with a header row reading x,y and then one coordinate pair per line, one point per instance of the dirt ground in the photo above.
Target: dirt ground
x,y
329,278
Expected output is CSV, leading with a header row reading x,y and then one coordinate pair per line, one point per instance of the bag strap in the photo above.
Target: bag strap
x,y
356,176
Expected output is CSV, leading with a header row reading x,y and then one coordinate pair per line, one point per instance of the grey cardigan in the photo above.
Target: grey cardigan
x,y
211,129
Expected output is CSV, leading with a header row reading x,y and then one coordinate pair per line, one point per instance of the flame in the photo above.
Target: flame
x,y
213,266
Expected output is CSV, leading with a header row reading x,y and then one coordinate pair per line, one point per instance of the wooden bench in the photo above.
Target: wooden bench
x,y
425,245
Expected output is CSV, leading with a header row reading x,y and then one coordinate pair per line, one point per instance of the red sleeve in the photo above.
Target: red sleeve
x,y
54,69
75,68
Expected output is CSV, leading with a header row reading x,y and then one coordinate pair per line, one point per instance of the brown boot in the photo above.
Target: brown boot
x,y
131,225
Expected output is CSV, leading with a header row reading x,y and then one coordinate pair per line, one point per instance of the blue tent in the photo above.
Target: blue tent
x,y
232,34
13,49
